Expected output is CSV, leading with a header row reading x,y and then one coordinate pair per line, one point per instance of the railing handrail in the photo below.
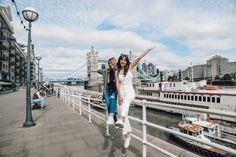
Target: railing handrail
x,y
146,123
225,113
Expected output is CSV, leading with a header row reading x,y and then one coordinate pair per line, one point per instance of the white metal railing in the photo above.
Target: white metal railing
x,y
70,94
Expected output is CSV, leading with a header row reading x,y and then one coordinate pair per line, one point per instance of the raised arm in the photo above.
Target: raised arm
x,y
135,62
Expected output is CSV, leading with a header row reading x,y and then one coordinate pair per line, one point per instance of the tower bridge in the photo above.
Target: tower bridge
x,y
87,72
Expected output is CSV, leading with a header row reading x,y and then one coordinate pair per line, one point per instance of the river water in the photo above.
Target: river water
x,y
157,117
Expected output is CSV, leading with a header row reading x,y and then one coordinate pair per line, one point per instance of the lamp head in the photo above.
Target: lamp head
x,y
30,14
38,57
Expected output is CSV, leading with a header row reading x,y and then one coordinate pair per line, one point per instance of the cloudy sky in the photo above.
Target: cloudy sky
x,y
182,31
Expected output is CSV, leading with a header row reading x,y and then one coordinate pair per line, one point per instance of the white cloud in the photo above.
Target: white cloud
x,y
66,31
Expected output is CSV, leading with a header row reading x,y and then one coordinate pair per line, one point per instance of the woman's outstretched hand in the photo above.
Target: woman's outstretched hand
x,y
151,48
120,100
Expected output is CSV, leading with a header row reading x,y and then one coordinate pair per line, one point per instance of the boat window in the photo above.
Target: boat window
x,y
192,97
182,96
195,98
200,98
205,129
178,96
204,99
185,97
188,97
218,100
208,99
213,99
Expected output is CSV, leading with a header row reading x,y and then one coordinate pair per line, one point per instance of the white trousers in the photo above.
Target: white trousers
x,y
128,94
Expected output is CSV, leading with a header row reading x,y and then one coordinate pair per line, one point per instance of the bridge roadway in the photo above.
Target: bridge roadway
x,y
61,132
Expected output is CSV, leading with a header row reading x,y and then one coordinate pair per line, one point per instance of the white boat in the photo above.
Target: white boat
x,y
211,130
196,131
192,94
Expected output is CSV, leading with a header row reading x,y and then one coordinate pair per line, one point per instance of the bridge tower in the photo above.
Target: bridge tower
x,y
92,64
92,67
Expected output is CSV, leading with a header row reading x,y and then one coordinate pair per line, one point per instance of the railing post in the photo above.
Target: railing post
x,y
144,129
107,126
89,108
80,105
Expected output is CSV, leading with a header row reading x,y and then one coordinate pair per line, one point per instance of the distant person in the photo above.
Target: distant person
x,y
109,91
39,99
125,90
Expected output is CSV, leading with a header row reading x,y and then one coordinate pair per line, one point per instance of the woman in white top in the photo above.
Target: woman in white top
x,y
125,91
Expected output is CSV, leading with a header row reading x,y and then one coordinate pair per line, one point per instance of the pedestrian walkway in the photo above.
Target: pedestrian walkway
x,y
61,132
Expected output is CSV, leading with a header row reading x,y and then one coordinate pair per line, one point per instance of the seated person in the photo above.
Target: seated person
x,y
38,98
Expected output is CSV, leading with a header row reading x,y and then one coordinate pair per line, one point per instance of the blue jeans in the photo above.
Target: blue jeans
x,y
40,101
111,100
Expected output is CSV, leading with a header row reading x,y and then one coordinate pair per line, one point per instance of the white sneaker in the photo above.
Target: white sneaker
x,y
120,123
127,141
110,120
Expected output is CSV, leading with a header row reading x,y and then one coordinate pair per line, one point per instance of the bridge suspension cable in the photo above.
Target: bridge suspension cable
x,y
80,69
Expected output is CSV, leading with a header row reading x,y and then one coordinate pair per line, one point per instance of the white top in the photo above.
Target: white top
x,y
126,80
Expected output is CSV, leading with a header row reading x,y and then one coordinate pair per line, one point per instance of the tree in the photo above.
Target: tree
x,y
217,77
227,77
187,78
234,76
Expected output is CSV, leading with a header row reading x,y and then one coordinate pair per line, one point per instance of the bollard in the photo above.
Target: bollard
x,y
144,129
89,108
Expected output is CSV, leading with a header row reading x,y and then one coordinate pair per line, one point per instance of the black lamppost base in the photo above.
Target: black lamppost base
x,y
28,124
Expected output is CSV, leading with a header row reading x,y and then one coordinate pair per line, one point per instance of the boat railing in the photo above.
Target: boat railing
x,y
74,98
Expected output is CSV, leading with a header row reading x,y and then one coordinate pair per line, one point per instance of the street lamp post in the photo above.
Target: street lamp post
x,y
30,15
38,58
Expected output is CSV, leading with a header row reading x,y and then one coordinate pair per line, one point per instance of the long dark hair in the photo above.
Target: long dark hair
x,y
127,64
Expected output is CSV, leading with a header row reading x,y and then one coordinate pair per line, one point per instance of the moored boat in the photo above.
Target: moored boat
x,y
195,131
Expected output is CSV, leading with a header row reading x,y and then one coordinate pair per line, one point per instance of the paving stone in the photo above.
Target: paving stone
x,y
75,145
86,153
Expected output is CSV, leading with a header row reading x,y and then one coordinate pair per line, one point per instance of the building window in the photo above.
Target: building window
x,y
172,96
208,99
213,99
175,96
200,98
195,98
173,84
188,97
169,95
182,97
192,97
218,99
185,97
204,99
178,96
170,84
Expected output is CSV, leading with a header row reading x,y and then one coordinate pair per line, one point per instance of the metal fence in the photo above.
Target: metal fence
x,y
75,97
